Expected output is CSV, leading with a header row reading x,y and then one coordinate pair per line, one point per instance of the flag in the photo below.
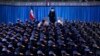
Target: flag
x,y
32,17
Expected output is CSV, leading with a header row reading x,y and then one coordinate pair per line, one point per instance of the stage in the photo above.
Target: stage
x,y
83,11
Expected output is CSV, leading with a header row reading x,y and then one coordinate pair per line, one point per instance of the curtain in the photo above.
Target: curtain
x,y
9,13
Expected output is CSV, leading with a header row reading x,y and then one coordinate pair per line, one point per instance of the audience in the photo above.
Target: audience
x,y
48,39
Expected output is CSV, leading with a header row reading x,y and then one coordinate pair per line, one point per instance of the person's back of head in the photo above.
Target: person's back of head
x,y
43,21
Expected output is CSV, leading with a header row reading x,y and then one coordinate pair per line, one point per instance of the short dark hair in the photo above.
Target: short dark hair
x,y
43,21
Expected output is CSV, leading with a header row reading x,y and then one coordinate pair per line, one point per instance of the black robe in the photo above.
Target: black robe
x,y
52,16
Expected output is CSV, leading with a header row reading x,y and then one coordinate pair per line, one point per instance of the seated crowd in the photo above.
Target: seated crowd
x,y
50,39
